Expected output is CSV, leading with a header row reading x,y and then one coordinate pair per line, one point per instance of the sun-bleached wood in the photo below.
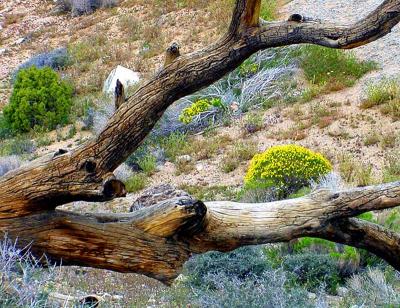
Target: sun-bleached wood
x,y
157,241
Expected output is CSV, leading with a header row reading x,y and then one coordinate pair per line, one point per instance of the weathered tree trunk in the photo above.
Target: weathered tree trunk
x,y
156,241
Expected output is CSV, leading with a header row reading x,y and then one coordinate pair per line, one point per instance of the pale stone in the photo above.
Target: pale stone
x,y
184,158
126,76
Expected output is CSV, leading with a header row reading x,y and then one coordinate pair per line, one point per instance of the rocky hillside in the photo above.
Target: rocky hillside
x,y
134,34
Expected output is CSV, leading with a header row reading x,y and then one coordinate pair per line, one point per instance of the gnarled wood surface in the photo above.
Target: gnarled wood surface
x,y
156,241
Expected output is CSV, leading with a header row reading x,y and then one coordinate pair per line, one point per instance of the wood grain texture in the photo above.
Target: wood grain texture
x,y
156,241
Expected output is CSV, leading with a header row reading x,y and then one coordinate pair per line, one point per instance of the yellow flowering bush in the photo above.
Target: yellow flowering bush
x,y
287,167
248,68
198,107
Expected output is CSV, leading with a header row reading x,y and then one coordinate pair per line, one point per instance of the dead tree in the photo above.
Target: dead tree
x,y
157,240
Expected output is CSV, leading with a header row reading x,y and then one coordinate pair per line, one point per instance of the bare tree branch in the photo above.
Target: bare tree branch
x,y
362,234
157,240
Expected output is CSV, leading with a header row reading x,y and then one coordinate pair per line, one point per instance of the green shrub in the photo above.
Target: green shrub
x,y
234,279
248,68
136,182
198,107
39,98
381,93
391,169
331,69
148,164
313,270
268,9
173,145
17,146
5,130
287,167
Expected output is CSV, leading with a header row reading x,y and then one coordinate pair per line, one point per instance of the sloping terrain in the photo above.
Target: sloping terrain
x,y
32,27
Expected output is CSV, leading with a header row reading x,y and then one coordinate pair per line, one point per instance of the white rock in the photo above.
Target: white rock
x,y
342,292
20,41
126,76
312,296
199,167
184,158
335,130
3,51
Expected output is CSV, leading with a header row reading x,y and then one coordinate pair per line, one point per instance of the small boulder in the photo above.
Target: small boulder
x,y
312,296
126,76
20,41
342,291
335,130
184,158
199,167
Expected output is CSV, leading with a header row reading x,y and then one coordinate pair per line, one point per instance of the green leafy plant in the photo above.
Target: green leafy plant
x,y
334,69
39,98
20,145
312,270
136,182
248,68
198,107
269,9
173,145
287,167
381,93
148,164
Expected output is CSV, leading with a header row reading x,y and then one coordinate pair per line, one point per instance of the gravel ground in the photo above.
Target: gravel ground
x,y
384,51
